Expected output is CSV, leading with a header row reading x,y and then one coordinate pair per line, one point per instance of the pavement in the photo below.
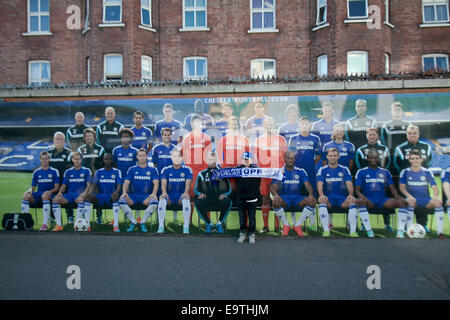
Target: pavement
x,y
34,266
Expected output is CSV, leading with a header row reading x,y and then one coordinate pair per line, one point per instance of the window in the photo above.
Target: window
x,y
437,62
194,14
322,65
357,8
321,11
262,68
112,11
146,13
357,62
435,11
262,14
195,68
38,72
146,68
386,63
113,67
38,16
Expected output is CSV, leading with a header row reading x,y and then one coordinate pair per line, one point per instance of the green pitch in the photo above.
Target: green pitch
x,y
14,184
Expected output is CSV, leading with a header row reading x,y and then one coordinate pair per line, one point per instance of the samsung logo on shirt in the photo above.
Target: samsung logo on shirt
x,y
57,160
417,183
90,156
125,159
107,181
113,133
177,179
44,180
291,181
142,177
374,180
164,156
77,180
305,147
333,179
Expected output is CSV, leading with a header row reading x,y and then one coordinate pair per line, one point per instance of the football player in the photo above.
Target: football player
x,y
289,193
75,134
393,132
335,188
91,152
76,181
254,126
167,122
160,153
324,127
415,182
223,123
125,155
231,147
108,130
346,149
290,128
176,182
199,111
143,183
373,144
355,127
142,134
44,185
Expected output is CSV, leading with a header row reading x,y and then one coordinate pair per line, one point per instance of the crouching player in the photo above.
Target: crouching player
x,y
77,182
335,188
289,194
414,185
106,186
176,182
372,181
46,180
144,183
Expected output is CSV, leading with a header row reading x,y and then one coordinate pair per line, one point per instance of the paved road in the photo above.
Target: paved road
x,y
33,266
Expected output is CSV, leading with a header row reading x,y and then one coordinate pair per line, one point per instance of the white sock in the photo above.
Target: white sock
x,y
80,211
162,205
25,208
307,211
281,215
46,211
149,211
410,217
116,212
57,213
323,214
293,217
127,211
352,217
364,215
439,214
312,217
87,211
186,212
402,215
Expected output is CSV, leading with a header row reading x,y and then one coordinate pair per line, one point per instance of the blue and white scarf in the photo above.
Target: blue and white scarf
x,y
271,173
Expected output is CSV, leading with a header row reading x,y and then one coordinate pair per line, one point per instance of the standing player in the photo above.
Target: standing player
x,y
346,149
445,179
289,193
176,180
254,126
75,134
324,127
231,147
373,144
167,122
269,150
371,182
290,128
60,160
108,130
125,155
106,187
335,188
143,182
160,154
393,132
46,180
142,134
199,111
91,152
355,127
415,182
76,181
223,123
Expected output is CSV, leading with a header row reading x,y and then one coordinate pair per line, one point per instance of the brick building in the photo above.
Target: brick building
x,y
86,41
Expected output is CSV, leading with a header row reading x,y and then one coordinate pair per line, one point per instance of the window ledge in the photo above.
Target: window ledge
x,y
111,25
194,29
32,34
263,31
389,24
434,25
141,26
365,20
321,26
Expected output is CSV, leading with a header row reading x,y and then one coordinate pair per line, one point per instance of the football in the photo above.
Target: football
x,y
81,225
416,231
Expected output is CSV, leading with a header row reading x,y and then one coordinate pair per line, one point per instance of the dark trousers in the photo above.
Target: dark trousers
x,y
246,208
213,204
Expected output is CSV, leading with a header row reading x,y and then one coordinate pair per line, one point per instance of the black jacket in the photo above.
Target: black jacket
x,y
247,188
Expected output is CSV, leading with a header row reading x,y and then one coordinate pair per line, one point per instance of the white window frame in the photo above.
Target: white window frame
x,y
262,10
387,63
143,58
195,9
318,23
366,60
262,60
37,14
40,80
435,3
116,2
434,55
386,14
114,76
319,73
358,17
149,8
196,77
